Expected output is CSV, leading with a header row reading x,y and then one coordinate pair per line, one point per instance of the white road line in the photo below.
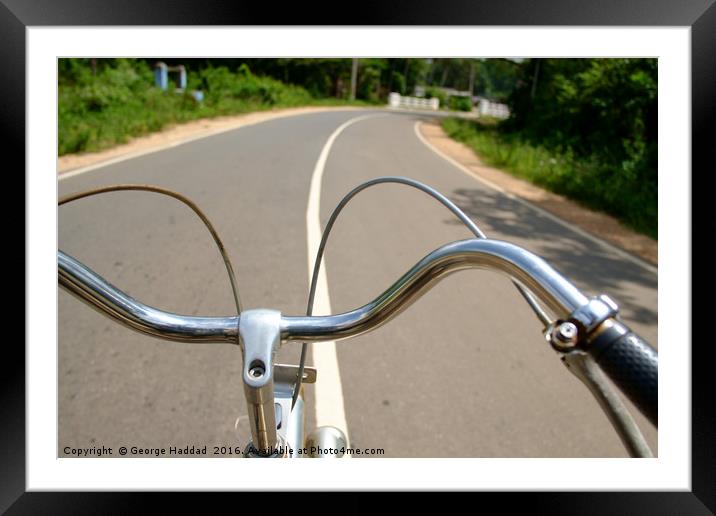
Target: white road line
x,y
329,392
539,210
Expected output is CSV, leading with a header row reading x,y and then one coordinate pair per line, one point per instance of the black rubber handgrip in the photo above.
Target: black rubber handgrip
x,y
632,364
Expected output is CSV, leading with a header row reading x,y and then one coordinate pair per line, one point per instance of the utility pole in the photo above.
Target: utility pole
x,y
445,75
354,78
431,69
533,91
472,76
405,77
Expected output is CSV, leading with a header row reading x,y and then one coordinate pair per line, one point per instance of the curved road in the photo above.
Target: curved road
x,y
463,373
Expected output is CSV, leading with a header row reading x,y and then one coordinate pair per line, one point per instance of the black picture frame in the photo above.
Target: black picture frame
x,y
700,15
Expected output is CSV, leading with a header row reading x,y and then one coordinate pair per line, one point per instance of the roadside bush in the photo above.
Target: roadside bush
x,y
590,180
107,102
222,85
434,93
103,102
397,82
460,104
368,84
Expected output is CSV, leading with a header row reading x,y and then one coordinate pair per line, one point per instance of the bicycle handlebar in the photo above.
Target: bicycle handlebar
x,y
591,325
631,364
523,266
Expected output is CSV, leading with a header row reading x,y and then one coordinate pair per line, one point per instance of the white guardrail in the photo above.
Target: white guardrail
x,y
484,106
493,109
396,100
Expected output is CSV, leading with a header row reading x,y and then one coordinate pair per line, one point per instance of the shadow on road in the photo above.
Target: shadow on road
x,y
580,259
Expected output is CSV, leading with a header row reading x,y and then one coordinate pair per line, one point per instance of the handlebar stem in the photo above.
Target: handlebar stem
x,y
260,333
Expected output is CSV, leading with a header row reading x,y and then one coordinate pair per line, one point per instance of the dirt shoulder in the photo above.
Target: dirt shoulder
x,y
176,134
598,224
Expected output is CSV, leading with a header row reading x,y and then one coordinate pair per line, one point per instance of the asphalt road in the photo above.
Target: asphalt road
x,y
463,373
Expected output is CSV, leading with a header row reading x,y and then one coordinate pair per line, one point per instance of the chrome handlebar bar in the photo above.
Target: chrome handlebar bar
x,y
558,294
94,290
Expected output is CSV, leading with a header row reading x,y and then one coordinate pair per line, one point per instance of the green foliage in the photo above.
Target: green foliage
x,y
322,78
434,93
103,102
496,78
601,111
588,179
460,103
369,82
397,83
227,91
116,100
585,128
491,78
415,72
605,106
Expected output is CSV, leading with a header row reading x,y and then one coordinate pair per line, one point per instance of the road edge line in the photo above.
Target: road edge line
x,y
624,254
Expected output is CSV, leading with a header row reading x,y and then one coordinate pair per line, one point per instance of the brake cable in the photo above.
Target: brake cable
x,y
541,315
539,312
179,197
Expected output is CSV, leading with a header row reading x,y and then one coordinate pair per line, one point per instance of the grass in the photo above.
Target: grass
x,y
117,124
97,111
589,181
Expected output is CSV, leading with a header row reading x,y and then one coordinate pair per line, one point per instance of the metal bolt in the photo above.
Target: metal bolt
x,y
566,333
257,371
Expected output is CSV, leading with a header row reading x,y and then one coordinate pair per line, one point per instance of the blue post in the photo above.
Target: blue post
x,y
182,78
161,76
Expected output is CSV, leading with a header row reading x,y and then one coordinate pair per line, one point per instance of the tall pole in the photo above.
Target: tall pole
x,y
354,77
533,91
405,77
472,77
